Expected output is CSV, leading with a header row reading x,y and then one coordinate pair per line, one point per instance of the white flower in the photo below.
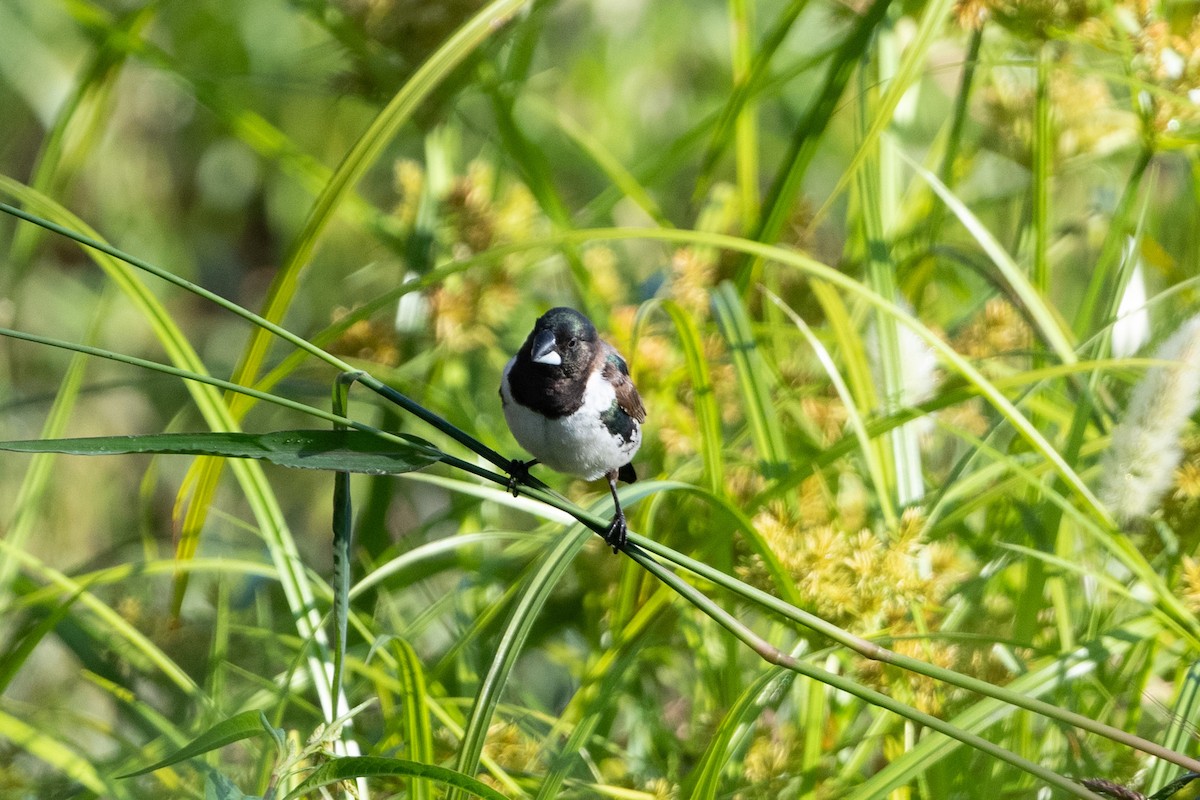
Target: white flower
x,y
1132,328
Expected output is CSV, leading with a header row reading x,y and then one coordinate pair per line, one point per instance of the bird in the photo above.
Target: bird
x,y
568,400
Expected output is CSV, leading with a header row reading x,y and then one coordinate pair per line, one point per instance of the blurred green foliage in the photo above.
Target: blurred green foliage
x,y
897,420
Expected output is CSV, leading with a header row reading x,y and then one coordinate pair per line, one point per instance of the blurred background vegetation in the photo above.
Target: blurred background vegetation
x,y
915,418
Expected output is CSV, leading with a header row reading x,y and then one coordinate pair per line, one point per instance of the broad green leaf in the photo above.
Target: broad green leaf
x,y
344,769
238,727
347,451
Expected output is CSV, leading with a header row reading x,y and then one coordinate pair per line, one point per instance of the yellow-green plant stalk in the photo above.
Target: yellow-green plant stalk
x,y
1146,444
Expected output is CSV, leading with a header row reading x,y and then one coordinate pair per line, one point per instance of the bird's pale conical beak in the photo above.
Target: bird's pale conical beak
x,y
543,349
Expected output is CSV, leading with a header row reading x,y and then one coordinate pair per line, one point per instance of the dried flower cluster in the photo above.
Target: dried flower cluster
x,y
998,332
367,340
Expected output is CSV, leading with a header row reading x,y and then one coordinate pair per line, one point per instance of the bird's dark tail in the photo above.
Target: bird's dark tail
x,y
627,474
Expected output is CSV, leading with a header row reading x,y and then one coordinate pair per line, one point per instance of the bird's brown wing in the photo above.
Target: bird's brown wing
x,y
616,372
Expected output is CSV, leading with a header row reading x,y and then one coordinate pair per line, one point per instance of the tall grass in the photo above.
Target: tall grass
x,y
865,264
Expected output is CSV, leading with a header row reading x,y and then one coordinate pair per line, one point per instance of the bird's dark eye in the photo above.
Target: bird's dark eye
x,y
571,344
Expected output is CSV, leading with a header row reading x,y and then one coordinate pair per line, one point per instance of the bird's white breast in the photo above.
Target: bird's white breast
x,y
578,444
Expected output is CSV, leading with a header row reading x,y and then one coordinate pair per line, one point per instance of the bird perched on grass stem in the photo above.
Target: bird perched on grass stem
x,y
570,402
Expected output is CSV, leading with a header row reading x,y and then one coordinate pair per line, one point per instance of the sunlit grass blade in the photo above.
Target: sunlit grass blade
x,y
414,718
354,165
854,419
899,83
1046,320
1100,302
1044,144
754,380
780,199
877,195
748,81
708,414
56,755
617,173
533,599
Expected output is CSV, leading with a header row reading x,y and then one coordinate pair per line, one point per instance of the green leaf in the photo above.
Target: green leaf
x,y
344,769
238,727
348,450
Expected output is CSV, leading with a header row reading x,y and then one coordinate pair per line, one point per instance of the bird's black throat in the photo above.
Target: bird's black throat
x,y
546,389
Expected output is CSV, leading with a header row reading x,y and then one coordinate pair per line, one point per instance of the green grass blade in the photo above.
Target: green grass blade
x,y
533,600
37,478
705,781
749,83
986,713
1044,145
1045,319
899,83
58,756
354,165
414,697
777,206
347,769
1180,734
234,729
745,148
22,643
754,380
854,419
708,415
605,160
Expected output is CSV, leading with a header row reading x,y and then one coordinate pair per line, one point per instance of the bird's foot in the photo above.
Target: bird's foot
x,y
518,472
618,533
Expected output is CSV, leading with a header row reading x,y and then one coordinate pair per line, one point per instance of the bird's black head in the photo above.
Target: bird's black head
x,y
563,339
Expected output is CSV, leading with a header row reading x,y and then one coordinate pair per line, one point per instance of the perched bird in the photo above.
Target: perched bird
x,y
570,402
